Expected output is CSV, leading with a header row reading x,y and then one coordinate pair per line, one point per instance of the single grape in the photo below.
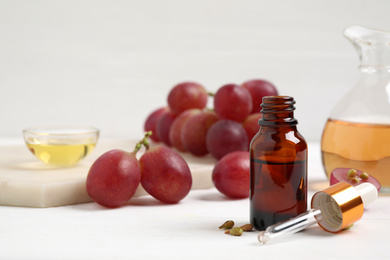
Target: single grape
x,y
251,125
177,127
113,178
187,95
259,88
231,175
341,174
151,122
194,133
226,136
165,174
232,102
164,125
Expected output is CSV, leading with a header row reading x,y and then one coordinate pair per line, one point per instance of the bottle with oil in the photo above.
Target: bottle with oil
x,y
278,167
357,133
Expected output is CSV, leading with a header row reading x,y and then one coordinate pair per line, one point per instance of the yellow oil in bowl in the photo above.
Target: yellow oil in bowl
x,y
61,146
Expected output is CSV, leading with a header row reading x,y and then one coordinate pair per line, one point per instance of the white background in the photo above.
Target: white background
x,y
110,63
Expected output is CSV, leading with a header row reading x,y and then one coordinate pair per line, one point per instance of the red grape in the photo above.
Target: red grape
x,y
226,136
165,174
177,127
341,174
193,135
251,125
113,178
231,175
151,122
232,102
187,95
259,88
164,125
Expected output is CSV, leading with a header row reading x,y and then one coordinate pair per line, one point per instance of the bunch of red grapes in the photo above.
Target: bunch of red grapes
x,y
187,125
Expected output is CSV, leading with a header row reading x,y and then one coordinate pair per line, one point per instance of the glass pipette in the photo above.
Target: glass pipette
x,y
289,227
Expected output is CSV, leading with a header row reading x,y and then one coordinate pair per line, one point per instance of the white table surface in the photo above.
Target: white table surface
x,y
146,229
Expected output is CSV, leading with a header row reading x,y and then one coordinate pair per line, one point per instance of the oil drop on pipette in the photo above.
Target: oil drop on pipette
x,y
334,209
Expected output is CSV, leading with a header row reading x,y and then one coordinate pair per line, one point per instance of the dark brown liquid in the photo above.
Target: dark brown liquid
x,y
278,191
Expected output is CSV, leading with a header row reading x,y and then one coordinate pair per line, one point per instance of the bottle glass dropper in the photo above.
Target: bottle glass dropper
x,y
334,209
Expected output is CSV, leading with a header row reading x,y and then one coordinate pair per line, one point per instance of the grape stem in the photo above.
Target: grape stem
x,y
143,142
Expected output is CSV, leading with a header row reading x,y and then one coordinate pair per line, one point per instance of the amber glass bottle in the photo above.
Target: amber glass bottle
x,y
278,169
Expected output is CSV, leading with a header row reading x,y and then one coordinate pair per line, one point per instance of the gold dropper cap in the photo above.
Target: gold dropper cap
x,y
341,205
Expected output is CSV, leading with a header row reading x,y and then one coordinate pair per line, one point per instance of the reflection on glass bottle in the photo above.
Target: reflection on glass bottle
x,y
357,133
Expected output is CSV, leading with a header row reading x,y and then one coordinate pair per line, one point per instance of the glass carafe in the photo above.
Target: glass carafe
x,y
357,133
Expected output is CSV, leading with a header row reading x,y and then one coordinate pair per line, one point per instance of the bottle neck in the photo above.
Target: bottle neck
x,y
375,58
374,77
278,111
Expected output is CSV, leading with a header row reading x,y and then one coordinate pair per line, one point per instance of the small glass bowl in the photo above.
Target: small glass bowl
x,y
61,146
